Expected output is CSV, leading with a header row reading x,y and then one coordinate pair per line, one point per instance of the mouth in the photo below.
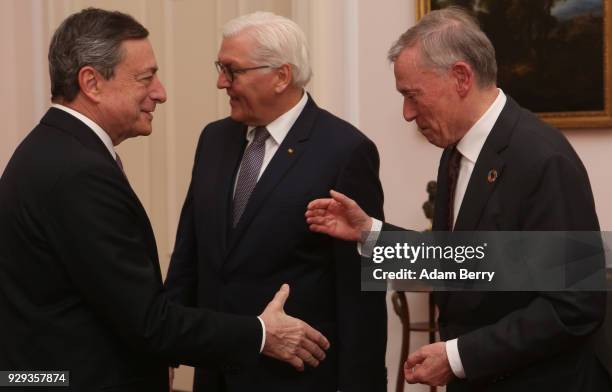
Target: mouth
x,y
149,114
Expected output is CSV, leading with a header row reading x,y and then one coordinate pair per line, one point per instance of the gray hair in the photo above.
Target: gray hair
x,y
91,37
279,41
449,35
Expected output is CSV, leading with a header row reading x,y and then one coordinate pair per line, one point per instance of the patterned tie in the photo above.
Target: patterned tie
x,y
453,174
249,171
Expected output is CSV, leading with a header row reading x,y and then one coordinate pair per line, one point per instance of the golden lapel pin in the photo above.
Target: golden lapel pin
x,y
290,151
492,175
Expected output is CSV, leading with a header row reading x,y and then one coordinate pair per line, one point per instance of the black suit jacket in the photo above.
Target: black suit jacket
x,y
511,341
238,271
80,284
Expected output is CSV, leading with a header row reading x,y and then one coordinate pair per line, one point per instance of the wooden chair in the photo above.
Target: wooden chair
x,y
400,306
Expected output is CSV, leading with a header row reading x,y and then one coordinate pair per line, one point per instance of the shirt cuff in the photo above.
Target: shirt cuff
x,y
452,352
263,334
365,248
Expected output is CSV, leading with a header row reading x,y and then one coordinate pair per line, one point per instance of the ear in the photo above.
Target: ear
x,y
464,77
90,82
284,78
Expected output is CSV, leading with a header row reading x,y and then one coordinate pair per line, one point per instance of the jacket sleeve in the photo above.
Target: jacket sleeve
x,y
103,238
361,316
181,280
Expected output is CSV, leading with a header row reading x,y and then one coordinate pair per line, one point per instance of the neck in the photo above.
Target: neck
x,y
285,102
481,101
89,110
475,105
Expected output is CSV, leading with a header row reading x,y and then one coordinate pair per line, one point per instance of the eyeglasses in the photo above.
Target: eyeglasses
x,y
230,73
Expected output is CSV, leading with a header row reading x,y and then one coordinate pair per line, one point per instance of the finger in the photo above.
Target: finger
x,y
413,375
297,363
341,198
316,337
316,212
313,349
320,203
280,297
307,357
409,376
415,358
317,220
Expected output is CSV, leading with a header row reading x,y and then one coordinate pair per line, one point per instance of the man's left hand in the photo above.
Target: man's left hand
x,y
429,365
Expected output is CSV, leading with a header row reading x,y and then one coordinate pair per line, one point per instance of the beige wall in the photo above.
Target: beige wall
x,y
348,39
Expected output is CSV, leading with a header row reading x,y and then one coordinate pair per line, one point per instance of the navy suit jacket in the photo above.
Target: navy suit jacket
x,y
511,341
80,284
239,270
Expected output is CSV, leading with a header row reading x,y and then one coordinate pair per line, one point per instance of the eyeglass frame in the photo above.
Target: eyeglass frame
x,y
230,74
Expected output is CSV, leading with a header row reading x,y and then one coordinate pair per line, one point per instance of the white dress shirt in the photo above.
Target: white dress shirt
x,y
278,130
469,146
92,125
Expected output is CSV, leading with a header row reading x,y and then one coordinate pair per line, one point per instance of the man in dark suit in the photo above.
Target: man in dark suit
x,y
80,284
242,230
501,169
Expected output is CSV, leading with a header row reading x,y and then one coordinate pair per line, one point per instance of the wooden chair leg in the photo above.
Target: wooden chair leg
x,y
400,306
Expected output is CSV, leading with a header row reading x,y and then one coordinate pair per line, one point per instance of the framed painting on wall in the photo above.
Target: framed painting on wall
x,y
553,56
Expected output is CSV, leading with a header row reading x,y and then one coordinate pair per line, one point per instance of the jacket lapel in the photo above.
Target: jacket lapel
x,y
487,170
283,160
232,148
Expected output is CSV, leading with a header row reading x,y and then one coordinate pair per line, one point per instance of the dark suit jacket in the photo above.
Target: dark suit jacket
x,y
238,271
513,341
80,284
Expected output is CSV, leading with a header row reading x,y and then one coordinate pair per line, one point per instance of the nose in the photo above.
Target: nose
x,y
222,81
410,112
158,91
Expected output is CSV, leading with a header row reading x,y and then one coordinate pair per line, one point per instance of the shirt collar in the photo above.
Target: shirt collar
x,y
471,143
280,127
92,125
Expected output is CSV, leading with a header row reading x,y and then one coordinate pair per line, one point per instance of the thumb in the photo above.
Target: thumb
x,y
280,297
414,359
340,197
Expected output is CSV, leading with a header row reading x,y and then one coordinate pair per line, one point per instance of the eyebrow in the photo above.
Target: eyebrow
x,y
152,69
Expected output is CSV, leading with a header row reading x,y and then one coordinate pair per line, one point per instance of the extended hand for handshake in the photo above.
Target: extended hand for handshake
x,y
290,339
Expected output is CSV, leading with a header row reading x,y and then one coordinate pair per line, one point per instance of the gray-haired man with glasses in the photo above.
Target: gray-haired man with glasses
x,y
242,231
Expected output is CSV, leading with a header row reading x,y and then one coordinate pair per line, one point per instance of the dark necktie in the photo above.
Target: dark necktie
x,y
453,174
249,171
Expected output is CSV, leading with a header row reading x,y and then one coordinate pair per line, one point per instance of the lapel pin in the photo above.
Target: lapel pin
x,y
290,151
492,175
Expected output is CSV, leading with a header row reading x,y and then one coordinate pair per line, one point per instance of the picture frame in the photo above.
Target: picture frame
x,y
553,57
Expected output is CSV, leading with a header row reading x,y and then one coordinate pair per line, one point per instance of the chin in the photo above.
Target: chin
x,y
237,116
145,131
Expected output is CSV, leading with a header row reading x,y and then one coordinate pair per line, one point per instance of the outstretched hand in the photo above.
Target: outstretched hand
x,y
338,216
290,339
